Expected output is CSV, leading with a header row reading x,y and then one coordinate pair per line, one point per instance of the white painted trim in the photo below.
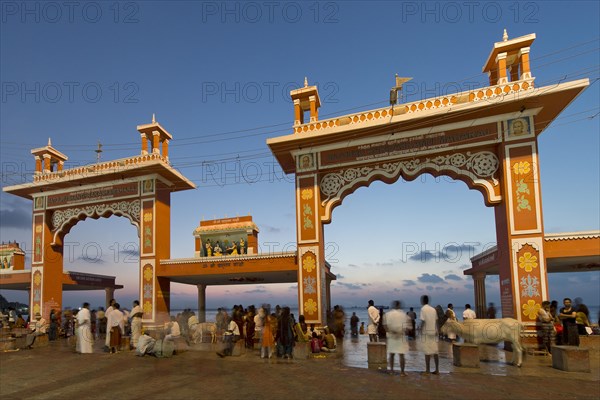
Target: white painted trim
x,y
124,169
177,261
84,212
503,98
329,203
11,271
571,235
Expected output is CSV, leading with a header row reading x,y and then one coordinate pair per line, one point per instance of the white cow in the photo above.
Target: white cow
x,y
479,331
198,330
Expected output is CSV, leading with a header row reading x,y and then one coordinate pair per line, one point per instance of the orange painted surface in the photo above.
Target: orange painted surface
x,y
11,279
572,247
215,266
523,172
306,209
311,303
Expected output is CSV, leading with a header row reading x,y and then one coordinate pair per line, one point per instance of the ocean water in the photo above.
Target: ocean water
x,y
361,313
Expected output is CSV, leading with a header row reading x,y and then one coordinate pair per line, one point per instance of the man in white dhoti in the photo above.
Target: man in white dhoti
x,y
373,321
85,338
116,327
173,330
429,334
136,323
145,345
110,308
396,322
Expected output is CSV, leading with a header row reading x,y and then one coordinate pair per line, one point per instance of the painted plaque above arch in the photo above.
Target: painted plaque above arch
x,y
402,146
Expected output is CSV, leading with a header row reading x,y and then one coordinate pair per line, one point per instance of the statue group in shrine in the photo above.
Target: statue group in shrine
x,y
218,250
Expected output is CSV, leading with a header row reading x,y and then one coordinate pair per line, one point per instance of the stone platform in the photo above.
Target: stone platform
x,y
332,376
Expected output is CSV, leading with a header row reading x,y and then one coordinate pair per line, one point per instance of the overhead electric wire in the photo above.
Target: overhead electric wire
x,y
286,124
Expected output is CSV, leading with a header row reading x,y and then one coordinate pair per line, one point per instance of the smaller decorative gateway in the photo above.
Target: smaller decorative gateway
x,y
12,258
226,237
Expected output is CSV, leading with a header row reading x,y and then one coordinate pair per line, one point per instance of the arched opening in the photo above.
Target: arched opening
x,y
404,246
106,246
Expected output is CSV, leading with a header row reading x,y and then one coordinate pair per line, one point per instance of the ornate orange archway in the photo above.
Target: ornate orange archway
x,y
485,137
138,188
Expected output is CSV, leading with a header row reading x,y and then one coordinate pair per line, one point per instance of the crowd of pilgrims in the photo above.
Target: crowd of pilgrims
x,y
275,331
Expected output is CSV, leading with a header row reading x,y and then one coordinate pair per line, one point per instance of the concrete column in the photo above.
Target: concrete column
x,y
31,314
524,57
155,139
110,294
38,165
201,302
46,163
314,112
165,149
328,294
480,298
144,144
298,113
501,65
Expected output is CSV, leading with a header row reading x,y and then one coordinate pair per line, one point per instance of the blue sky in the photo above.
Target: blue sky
x,y
218,75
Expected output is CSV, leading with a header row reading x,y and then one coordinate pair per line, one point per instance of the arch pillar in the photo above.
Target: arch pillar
x,y
312,279
201,302
155,244
328,295
519,228
480,298
46,267
109,295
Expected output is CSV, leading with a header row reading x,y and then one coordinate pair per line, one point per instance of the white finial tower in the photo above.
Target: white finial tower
x,y
305,81
153,118
505,36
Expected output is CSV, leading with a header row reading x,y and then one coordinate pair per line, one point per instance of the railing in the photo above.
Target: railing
x,y
108,166
471,96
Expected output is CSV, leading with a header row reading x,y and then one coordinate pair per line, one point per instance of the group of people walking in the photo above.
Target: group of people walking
x,y
398,324
113,324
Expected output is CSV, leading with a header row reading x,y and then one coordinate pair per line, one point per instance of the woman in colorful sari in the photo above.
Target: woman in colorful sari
x,y
268,341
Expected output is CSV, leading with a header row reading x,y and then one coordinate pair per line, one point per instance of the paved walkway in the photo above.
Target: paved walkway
x,y
57,372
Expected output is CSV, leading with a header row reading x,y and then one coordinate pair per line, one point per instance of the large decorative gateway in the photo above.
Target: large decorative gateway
x,y
137,188
485,137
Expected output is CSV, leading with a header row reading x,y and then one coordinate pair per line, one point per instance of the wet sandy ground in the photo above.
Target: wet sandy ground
x,y
57,372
